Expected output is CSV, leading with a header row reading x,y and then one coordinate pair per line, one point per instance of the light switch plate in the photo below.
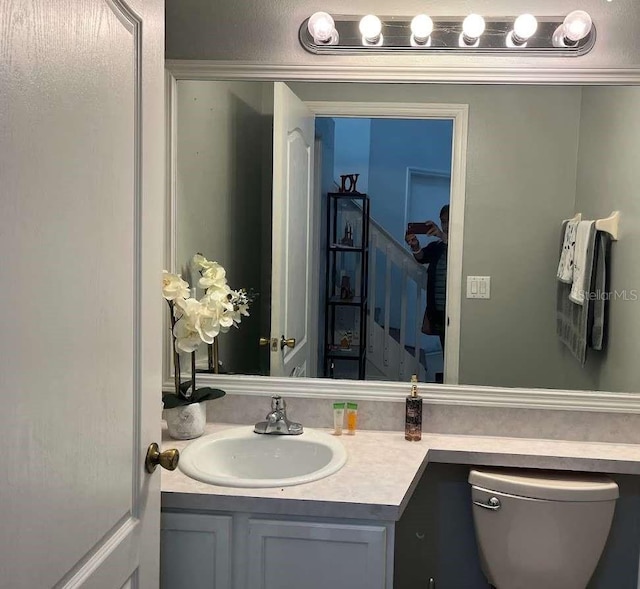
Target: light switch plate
x,y
478,287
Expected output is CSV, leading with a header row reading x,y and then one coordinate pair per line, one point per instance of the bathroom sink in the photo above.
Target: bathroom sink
x,y
238,457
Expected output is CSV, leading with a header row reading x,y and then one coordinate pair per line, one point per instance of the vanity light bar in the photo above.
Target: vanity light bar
x,y
573,35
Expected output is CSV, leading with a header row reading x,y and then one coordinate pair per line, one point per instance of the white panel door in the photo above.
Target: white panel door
x,y
291,297
81,185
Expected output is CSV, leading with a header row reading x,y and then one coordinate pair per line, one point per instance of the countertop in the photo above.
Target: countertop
x,y
383,469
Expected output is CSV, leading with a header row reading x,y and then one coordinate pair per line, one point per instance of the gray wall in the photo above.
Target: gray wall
x,y
219,195
609,179
520,184
267,32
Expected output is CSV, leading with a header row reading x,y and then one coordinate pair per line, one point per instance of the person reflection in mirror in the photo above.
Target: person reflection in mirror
x,y
435,255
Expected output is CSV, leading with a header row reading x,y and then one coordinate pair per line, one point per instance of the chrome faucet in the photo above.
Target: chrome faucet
x,y
277,422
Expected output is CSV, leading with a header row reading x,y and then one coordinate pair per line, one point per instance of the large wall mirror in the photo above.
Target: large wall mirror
x,y
532,157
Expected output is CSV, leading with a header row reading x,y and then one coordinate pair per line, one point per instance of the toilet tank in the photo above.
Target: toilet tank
x,y
547,529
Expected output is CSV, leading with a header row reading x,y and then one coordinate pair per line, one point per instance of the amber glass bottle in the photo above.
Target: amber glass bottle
x,y
413,415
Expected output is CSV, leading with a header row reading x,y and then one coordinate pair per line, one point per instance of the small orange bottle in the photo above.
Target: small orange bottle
x,y
352,418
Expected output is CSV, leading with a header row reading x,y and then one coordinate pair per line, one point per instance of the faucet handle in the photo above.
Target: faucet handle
x,y
277,403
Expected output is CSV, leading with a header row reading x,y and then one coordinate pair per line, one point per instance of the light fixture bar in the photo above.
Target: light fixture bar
x,y
396,36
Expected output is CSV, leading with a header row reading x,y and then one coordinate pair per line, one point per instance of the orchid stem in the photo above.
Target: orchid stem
x,y
193,373
210,357
216,356
176,356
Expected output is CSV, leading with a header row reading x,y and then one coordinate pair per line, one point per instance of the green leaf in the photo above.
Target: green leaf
x,y
207,394
170,400
185,386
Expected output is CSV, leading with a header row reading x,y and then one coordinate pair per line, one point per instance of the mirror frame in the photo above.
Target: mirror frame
x,y
468,395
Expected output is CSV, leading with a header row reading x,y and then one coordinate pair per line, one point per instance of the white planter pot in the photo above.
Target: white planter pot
x,y
186,422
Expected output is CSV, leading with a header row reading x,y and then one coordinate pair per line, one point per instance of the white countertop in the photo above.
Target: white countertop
x,y
383,469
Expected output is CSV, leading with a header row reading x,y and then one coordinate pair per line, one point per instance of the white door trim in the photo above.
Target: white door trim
x,y
171,206
316,223
459,114
202,69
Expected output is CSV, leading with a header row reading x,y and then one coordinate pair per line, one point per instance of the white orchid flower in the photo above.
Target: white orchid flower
x,y
213,277
208,324
187,339
187,330
218,295
183,306
201,321
217,301
226,321
220,308
201,262
173,287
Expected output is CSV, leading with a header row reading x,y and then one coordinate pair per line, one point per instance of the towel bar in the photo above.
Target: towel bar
x,y
610,225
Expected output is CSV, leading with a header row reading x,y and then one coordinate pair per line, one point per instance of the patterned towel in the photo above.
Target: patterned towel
x,y
583,261
574,322
565,267
601,291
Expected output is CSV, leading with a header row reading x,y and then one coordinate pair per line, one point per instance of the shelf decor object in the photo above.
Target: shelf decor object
x,y
346,308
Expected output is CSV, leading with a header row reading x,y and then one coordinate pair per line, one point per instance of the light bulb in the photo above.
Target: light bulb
x,y
577,25
525,26
370,29
322,28
473,27
421,28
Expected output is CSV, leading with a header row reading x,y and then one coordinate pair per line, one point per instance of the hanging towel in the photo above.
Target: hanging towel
x,y
565,266
583,258
600,289
572,320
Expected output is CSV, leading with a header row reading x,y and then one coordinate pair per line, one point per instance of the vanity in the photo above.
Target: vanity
x,y
340,531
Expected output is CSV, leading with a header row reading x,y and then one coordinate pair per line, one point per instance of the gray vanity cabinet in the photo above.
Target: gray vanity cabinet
x,y
195,551
314,555
247,551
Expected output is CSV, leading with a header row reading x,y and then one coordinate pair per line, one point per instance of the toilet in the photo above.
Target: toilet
x,y
540,529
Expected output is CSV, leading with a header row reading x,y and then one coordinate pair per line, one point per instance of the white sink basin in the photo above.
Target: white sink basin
x,y
238,457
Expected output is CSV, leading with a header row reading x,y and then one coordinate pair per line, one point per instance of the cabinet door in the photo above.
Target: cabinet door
x,y
195,551
291,555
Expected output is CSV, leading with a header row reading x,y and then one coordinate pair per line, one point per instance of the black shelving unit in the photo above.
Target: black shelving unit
x,y
347,285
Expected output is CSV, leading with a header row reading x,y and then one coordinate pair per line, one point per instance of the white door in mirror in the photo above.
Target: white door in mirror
x,y
293,316
238,457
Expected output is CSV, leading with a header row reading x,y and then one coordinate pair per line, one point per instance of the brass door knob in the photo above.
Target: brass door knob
x,y
167,459
265,341
290,343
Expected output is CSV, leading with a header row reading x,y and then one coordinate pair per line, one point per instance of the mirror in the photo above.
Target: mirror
x,y
535,155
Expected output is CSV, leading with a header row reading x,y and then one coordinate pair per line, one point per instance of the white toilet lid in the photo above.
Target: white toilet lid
x,y
551,485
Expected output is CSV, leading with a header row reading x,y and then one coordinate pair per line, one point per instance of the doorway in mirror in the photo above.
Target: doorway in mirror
x,y
404,164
